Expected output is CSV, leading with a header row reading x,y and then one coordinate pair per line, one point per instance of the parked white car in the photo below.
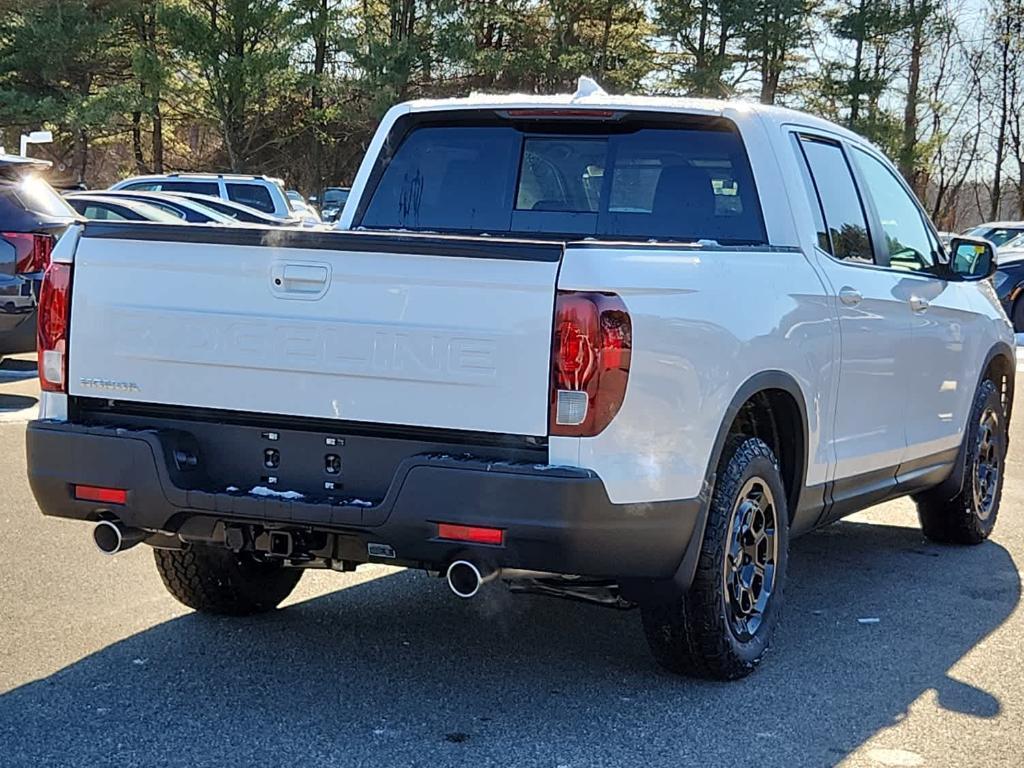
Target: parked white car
x,y
998,232
260,192
302,208
607,348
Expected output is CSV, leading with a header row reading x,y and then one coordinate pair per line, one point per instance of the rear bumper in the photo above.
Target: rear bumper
x,y
556,519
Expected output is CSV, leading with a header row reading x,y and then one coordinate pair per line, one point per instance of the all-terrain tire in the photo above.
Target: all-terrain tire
x,y
969,516
694,634
217,580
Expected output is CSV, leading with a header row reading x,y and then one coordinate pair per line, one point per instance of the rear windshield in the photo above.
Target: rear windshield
x,y
679,183
40,198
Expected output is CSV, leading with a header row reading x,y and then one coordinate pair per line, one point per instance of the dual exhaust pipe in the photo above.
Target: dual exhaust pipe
x,y
464,578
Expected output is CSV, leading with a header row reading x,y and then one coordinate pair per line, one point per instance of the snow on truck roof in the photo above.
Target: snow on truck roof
x,y
590,96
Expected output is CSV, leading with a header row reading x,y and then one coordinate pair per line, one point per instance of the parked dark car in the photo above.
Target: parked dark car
x,y
332,202
32,217
189,211
100,208
1009,284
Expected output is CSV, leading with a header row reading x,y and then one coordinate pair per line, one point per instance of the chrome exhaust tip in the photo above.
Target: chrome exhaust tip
x,y
464,578
113,536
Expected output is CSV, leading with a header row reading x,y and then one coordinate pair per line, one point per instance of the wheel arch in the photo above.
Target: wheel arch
x,y
777,393
1000,365
778,387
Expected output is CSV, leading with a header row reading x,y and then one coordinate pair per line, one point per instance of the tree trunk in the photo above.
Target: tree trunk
x,y
908,164
81,156
858,65
155,111
316,96
140,160
158,137
319,56
1000,148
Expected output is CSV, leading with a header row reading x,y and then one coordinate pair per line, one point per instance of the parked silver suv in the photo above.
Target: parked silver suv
x,y
260,192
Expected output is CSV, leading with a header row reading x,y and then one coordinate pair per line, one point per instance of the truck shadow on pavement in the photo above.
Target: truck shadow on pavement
x,y
396,671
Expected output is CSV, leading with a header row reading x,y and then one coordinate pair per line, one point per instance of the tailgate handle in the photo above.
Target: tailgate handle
x,y
305,281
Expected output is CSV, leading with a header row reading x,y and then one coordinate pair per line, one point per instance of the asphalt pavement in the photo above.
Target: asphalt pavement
x,y
893,652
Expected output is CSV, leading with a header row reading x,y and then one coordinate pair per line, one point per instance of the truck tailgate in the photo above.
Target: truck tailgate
x,y
428,331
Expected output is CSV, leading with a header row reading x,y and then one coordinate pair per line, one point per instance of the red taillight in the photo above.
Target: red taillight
x,y
32,251
102,495
593,339
471,533
52,331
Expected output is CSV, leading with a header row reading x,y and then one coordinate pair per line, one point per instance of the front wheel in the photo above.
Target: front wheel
x,y
970,515
722,627
217,580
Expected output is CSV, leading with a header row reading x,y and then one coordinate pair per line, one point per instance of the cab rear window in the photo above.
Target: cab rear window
x,y
672,183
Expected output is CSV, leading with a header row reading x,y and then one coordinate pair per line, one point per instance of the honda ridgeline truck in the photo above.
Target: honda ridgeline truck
x,y
607,348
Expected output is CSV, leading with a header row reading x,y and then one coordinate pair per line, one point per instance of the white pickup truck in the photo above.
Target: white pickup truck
x,y
606,348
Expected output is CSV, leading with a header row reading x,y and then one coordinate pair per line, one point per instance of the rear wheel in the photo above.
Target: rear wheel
x,y
217,580
723,625
970,515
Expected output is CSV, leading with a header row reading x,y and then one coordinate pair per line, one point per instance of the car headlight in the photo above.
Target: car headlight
x,y
999,278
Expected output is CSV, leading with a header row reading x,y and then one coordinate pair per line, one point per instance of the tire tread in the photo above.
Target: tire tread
x,y
951,520
689,636
218,581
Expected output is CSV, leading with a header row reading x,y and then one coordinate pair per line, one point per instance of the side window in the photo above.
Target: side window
x,y
253,195
101,213
193,187
845,221
167,209
906,234
820,230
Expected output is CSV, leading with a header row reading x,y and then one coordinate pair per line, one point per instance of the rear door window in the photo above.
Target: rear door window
x,y
253,195
685,183
841,206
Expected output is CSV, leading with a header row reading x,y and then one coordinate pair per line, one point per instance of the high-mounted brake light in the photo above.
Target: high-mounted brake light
x,y
474,534
31,251
558,113
100,494
52,330
591,355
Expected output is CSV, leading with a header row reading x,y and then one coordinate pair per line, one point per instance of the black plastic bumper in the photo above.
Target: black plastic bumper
x,y
556,519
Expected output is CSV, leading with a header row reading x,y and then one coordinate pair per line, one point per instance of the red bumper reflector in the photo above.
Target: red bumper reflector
x,y
471,533
104,495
